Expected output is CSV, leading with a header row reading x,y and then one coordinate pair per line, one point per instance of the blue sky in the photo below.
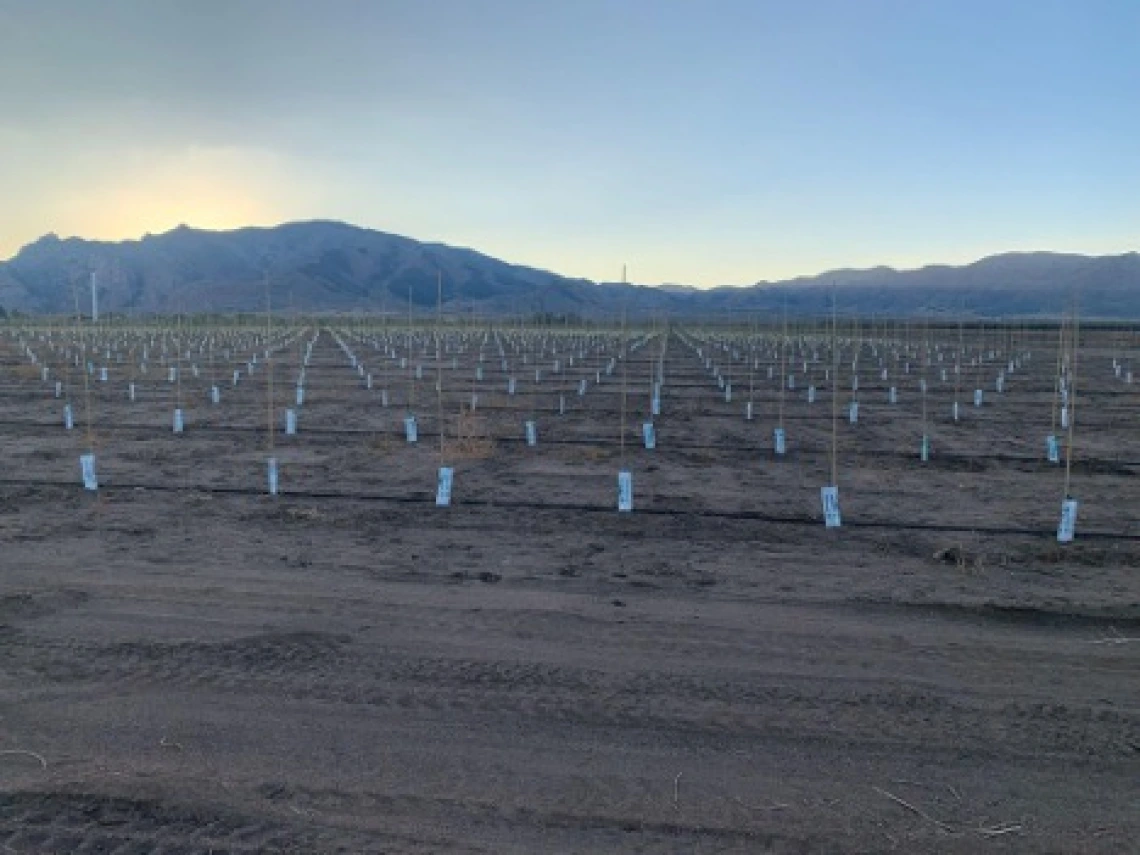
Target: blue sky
x,y
706,143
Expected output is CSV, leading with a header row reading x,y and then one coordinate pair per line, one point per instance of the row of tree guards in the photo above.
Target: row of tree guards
x,y
547,370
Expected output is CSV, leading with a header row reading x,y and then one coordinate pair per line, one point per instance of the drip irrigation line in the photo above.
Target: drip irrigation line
x,y
1110,417
680,378
604,442
427,498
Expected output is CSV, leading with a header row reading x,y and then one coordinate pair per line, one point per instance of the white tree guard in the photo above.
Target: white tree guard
x,y
649,435
443,486
829,498
1067,527
625,491
87,470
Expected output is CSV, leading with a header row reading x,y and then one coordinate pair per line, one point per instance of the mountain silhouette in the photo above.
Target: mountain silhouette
x,y
332,266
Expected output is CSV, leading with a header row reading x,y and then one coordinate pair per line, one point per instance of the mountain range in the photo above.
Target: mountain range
x,y
336,267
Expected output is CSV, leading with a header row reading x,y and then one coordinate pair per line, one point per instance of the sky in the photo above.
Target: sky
x,y
700,142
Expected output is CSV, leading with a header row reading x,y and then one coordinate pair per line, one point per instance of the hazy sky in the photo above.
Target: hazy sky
x,y
698,141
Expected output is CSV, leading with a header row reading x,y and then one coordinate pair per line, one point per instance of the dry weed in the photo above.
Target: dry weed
x,y
472,438
962,559
27,371
382,443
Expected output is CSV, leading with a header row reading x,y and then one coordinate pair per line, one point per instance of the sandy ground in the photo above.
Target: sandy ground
x,y
186,671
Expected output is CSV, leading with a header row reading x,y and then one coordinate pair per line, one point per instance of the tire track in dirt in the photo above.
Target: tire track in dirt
x,y
597,819
31,605
1124,616
311,666
65,823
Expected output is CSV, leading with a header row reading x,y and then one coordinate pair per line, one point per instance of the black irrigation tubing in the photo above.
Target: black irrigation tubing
x,y
682,368
609,385
761,418
736,373
427,499
557,382
688,362
648,352
457,394
936,461
866,411
740,391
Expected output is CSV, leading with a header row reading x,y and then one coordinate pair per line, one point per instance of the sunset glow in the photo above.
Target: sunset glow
x,y
724,144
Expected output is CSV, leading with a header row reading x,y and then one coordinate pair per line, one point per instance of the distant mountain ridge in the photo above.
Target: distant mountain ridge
x,y
336,267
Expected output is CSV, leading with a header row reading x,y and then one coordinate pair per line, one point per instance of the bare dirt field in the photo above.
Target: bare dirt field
x,y
188,665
